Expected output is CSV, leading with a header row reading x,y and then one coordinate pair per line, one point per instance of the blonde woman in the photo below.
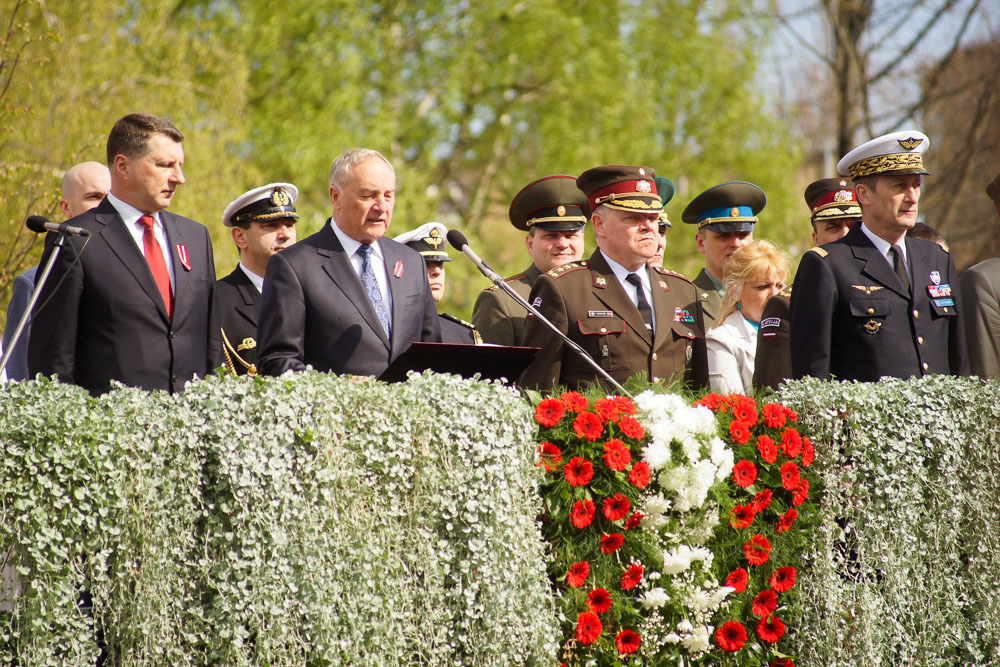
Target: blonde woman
x,y
752,275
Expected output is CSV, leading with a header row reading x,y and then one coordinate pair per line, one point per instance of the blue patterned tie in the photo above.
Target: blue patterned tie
x,y
371,288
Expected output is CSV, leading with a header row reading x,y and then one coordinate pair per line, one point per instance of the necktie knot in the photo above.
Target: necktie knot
x,y
634,279
147,221
365,251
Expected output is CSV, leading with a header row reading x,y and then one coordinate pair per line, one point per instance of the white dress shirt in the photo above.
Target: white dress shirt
x,y
258,281
377,260
883,247
131,215
631,290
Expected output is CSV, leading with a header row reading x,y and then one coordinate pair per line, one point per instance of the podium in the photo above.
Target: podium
x,y
491,362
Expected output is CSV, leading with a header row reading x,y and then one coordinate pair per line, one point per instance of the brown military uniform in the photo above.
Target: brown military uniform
x,y
497,317
586,301
711,302
773,361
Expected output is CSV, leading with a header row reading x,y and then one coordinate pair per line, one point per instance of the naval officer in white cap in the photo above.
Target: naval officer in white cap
x,y
876,303
263,223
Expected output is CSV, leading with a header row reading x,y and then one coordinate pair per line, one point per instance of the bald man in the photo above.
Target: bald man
x,y
83,187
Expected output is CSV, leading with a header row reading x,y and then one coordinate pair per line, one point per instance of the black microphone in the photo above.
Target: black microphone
x,y
459,242
39,224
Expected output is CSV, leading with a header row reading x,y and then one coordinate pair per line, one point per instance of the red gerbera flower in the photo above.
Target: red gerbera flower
x,y
610,543
774,415
625,406
731,636
549,456
744,473
739,432
549,411
757,550
761,500
791,443
574,402
633,521
744,409
768,450
615,507
770,629
626,642
588,627
737,580
631,427
632,576
808,455
781,662
606,409
577,573
578,471
765,602
801,492
712,401
742,516
615,455
782,579
785,520
582,513
789,475
587,425
638,476
598,600
792,416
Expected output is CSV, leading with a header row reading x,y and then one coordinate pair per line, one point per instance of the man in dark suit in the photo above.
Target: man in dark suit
x,y
876,303
263,223
134,301
346,299
630,318
834,210
980,285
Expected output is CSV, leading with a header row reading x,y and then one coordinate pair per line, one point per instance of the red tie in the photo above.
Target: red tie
x,y
154,257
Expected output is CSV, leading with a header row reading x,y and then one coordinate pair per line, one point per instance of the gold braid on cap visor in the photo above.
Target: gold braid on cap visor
x,y
887,164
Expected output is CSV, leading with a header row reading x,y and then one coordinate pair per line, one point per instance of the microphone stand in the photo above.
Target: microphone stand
x,y
26,315
498,280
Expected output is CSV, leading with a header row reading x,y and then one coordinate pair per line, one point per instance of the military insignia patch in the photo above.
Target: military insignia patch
x,y
600,281
537,302
910,143
280,198
644,187
867,289
600,313
936,277
682,315
939,291
819,251
872,327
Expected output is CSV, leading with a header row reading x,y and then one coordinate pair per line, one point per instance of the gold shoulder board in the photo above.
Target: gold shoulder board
x,y
819,251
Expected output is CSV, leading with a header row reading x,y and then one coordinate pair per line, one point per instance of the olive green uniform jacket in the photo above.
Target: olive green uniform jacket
x,y
497,317
711,302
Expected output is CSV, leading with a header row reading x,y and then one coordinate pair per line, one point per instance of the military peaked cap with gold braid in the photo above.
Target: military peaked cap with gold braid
x,y
893,153
831,199
268,202
622,187
728,207
552,202
429,240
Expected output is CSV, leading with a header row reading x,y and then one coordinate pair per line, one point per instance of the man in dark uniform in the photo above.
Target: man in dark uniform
x,y
629,318
876,303
429,240
263,223
720,234
980,286
553,211
835,210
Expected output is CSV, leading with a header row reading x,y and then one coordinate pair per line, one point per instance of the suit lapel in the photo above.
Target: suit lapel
x,y
182,276
249,294
392,256
123,245
613,295
338,266
920,266
875,265
664,316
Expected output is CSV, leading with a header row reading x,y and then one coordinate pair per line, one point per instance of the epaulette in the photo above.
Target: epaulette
x,y
567,268
668,272
819,251
508,280
458,320
787,292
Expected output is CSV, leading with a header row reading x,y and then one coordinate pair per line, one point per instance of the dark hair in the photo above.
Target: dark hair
x,y
926,232
131,134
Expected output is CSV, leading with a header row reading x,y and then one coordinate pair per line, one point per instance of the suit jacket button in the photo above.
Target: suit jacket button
x,y
172,335
916,313
871,311
173,378
920,340
925,365
604,330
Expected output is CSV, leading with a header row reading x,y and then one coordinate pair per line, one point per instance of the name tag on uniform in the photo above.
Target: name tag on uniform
x,y
939,291
600,313
944,302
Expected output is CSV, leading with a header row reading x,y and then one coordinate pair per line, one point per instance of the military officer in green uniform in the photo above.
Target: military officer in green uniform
x,y
834,210
665,188
429,240
630,318
553,212
725,215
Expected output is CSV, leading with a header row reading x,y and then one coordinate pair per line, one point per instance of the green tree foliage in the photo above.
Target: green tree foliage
x,y
470,101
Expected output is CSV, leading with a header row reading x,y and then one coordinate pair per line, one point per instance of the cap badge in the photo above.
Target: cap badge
x,y
434,240
280,198
872,327
561,211
843,195
642,172
843,183
734,212
643,186
910,144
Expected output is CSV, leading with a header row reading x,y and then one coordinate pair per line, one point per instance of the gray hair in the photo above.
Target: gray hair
x,y
343,163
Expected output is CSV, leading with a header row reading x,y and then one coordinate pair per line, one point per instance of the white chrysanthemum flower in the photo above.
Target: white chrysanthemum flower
x,y
697,600
697,641
656,505
672,638
685,626
655,597
656,453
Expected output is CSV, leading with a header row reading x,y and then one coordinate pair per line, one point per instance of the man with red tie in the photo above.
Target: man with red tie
x,y
133,302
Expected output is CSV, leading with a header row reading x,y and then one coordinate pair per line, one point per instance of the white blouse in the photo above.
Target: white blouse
x,y
731,349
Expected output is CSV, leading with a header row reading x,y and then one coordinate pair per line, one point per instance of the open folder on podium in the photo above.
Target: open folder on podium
x,y
492,362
